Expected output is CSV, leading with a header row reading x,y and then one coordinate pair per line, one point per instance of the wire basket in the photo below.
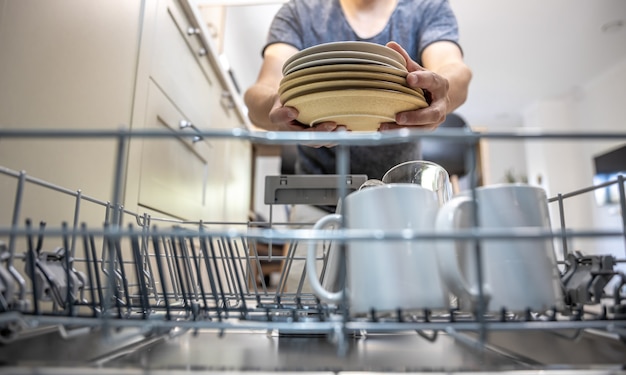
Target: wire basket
x,y
138,270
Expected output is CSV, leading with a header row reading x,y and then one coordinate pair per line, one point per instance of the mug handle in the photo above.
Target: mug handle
x,y
311,271
449,219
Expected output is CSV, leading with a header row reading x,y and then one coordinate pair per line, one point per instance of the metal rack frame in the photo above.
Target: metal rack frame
x,y
188,275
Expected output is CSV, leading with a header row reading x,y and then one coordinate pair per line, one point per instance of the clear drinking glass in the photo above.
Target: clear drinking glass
x,y
427,174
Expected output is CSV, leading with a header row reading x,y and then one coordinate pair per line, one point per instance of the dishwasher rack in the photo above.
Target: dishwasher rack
x,y
159,275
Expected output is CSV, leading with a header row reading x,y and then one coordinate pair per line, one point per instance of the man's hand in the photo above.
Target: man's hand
x,y
284,118
435,88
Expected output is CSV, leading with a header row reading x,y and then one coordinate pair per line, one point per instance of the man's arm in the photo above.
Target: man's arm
x,y
446,59
444,75
262,97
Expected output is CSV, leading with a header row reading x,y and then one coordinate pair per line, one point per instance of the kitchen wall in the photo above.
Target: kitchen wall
x,y
565,166
559,166
241,31
247,26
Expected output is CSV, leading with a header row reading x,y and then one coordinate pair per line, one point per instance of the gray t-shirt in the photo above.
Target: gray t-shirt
x,y
414,24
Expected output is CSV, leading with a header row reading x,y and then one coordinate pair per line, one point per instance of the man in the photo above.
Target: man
x,y
425,32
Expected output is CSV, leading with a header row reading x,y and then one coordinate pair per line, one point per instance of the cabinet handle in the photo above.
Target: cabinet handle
x,y
227,100
184,124
201,52
193,30
213,30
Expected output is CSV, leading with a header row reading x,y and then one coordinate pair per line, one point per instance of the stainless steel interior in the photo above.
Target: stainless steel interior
x,y
179,298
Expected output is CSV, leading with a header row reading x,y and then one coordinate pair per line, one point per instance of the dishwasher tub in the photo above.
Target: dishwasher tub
x,y
183,297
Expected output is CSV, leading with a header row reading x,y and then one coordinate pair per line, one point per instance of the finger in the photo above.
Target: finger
x,y
295,126
410,64
394,126
283,115
429,117
326,126
427,80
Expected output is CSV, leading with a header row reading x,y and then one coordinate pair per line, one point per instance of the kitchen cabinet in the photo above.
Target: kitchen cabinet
x,y
214,17
174,173
180,76
102,65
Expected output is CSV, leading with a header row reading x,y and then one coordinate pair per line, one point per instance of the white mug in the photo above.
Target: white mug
x,y
386,275
518,273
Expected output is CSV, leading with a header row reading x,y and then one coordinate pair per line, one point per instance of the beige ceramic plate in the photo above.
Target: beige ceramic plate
x,y
340,57
342,84
345,68
289,83
357,109
349,46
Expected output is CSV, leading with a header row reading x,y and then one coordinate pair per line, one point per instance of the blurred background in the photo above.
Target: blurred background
x,y
557,65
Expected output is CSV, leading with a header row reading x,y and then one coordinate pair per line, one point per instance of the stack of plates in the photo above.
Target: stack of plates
x,y
356,84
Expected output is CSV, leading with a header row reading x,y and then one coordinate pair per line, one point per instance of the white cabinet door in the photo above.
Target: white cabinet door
x,y
178,175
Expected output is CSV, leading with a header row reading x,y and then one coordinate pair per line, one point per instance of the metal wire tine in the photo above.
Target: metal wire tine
x,y
118,180
218,290
91,285
69,301
244,286
138,262
108,268
32,258
145,246
343,168
17,207
326,246
622,203
107,218
229,273
196,262
250,276
40,237
193,296
225,273
471,160
122,272
255,262
191,276
179,273
563,227
143,221
269,245
78,198
92,249
233,254
301,283
167,254
159,263
282,282
72,249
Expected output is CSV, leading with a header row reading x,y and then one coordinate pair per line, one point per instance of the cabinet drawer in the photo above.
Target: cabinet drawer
x,y
178,176
176,69
181,68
